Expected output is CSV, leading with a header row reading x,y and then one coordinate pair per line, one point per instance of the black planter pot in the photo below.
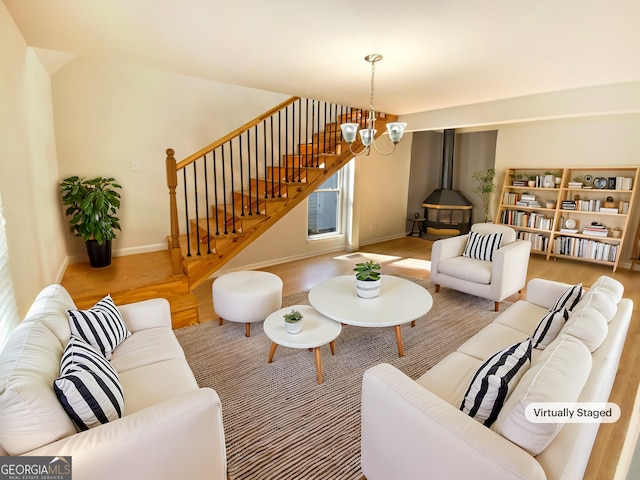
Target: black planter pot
x,y
99,255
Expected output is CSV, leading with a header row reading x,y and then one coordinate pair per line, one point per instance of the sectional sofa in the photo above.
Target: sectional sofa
x,y
430,427
153,422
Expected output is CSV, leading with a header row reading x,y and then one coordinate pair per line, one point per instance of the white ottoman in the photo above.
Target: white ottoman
x,y
246,297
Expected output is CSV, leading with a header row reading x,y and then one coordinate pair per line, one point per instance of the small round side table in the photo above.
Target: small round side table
x,y
317,330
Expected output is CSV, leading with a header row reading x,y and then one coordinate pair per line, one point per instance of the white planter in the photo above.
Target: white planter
x,y
293,327
367,288
549,181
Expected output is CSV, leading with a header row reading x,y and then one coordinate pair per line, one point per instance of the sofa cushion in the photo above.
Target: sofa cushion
x,y
449,378
610,286
522,316
50,307
549,327
30,414
490,385
558,375
601,302
482,247
490,339
101,326
588,325
152,384
88,387
145,347
464,268
568,299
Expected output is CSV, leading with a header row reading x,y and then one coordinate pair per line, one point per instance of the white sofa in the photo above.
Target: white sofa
x,y
170,428
415,428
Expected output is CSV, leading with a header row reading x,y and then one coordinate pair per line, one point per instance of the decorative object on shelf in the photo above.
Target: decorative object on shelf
x,y
549,180
485,188
600,183
92,205
588,180
531,180
367,279
570,223
367,135
293,321
517,179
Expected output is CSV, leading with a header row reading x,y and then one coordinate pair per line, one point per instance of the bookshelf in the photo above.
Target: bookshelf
x,y
577,213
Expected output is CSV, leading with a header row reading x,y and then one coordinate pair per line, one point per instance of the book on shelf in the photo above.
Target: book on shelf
x,y
595,230
608,210
569,230
568,205
574,185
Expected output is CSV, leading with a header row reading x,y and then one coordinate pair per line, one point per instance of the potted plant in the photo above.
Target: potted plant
x,y
92,205
485,188
293,321
531,180
367,279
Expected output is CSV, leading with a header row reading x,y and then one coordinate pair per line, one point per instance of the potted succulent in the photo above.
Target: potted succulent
x,y
485,188
92,205
367,279
293,321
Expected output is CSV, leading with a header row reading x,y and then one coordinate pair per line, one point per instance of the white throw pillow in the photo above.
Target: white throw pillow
x,y
88,388
611,287
548,328
491,383
482,247
102,326
558,375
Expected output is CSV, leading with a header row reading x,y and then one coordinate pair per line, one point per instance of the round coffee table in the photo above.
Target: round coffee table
x,y
317,330
400,301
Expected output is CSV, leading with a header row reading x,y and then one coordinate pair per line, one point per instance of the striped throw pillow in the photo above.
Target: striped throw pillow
x,y
88,387
101,326
482,247
568,299
549,327
492,382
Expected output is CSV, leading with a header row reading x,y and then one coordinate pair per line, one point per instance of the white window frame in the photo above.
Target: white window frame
x,y
340,214
8,310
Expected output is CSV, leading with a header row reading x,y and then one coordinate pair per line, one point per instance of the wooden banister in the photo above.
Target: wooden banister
x,y
256,121
174,242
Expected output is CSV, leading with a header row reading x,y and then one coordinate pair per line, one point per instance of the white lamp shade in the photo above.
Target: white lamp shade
x,y
349,131
396,130
367,135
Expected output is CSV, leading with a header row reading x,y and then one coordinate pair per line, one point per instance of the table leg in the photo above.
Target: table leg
x,y
274,345
413,323
333,348
399,340
318,364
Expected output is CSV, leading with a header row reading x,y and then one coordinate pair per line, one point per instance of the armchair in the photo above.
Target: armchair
x,y
502,276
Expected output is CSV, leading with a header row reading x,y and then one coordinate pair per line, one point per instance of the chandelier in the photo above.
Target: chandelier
x,y
367,135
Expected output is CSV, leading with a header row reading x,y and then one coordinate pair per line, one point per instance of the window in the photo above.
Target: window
x,y
325,205
8,310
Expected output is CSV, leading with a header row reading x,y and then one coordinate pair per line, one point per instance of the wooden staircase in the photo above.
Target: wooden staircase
x,y
222,230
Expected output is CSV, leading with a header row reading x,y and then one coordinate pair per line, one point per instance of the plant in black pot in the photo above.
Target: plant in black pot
x,y
92,205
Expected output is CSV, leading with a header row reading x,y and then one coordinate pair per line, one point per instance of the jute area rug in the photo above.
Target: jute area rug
x,y
279,423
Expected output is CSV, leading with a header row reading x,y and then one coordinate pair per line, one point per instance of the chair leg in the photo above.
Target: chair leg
x,y
247,330
220,321
497,306
437,288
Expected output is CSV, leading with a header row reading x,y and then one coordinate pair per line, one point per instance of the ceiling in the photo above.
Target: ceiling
x,y
437,53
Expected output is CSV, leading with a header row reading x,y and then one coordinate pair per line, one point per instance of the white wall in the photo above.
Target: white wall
x,y
28,167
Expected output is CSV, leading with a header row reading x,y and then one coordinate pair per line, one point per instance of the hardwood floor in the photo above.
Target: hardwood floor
x,y
615,442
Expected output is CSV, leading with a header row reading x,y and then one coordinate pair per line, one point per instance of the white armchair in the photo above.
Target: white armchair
x,y
495,280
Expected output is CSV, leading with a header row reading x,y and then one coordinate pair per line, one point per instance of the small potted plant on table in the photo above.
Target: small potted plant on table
x,y
293,321
367,279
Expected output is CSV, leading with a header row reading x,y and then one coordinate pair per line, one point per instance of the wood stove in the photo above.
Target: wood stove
x,y
446,211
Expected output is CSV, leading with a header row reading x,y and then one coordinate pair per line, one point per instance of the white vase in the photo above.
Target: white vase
x,y
293,327
549,181
368,288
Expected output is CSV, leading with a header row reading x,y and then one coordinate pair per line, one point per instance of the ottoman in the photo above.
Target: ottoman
x,y
246,297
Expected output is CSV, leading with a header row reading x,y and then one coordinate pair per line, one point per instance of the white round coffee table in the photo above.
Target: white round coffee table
x,y
317,330
400,301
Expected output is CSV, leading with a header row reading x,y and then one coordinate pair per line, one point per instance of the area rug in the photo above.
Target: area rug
x,y
279,423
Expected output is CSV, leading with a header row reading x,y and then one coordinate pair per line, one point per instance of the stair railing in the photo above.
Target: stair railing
x,y
230,177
